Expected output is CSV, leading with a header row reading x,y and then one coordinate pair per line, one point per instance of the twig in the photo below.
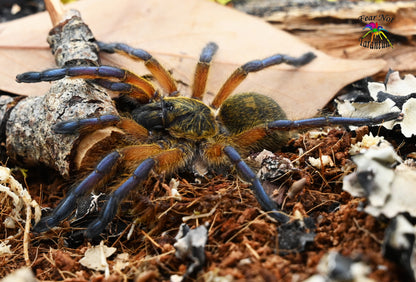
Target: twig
x,y
252,251
151,240
378,241
197,216
55,10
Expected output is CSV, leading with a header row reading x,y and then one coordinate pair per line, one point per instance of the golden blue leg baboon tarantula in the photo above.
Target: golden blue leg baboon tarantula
x,y
171,132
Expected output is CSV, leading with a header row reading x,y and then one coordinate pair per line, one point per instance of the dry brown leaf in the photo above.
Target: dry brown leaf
x,y
335,29
175,32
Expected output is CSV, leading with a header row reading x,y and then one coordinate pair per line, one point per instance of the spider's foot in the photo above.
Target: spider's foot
x,y
110,209
45,224
60,213
304,59
279,216
107,215
72,126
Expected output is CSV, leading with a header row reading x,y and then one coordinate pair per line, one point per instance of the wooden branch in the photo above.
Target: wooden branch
x,y
55,10
27,123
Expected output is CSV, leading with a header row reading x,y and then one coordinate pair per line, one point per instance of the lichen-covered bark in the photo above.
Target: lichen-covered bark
x,y
28,125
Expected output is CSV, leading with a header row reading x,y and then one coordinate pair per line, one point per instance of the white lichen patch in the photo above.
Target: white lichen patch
x,y
395,85
408,124
335,267
383,178
402,196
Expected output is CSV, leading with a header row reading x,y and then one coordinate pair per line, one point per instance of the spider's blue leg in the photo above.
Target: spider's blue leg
x,y
129,126
110,209
129,89
158,71
90,72
202,69
257,133
253,66
76,125
325,121
149,156
64,209
248,175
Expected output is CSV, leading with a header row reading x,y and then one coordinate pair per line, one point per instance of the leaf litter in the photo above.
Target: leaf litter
x,y
243,242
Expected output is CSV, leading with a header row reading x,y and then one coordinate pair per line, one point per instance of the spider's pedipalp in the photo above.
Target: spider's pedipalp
x,y
248,175
202,69
253,66
64,209
72,126
109,211
158,71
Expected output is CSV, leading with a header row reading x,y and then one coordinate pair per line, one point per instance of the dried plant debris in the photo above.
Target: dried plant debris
x,y
22,204
272,166
277,172
395,94
190,246
336,267
96,258
295,235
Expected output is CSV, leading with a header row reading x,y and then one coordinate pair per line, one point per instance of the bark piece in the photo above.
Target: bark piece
x,y
29,135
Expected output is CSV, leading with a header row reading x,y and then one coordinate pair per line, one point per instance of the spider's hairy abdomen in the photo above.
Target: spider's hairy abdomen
x,y
244,111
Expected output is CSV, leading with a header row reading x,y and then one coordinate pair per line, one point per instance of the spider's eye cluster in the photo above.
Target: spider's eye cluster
x,y
151,116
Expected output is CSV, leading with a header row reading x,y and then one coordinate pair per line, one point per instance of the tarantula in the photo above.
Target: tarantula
x,y
166,133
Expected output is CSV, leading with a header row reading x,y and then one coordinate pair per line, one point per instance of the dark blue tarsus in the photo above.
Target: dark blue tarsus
x,y
135,52
248,175
72,126
69,203
257,65
114,86
109,211
208,52
56,74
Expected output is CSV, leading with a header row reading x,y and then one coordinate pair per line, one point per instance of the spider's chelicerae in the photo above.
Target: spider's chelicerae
x,y
167,133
